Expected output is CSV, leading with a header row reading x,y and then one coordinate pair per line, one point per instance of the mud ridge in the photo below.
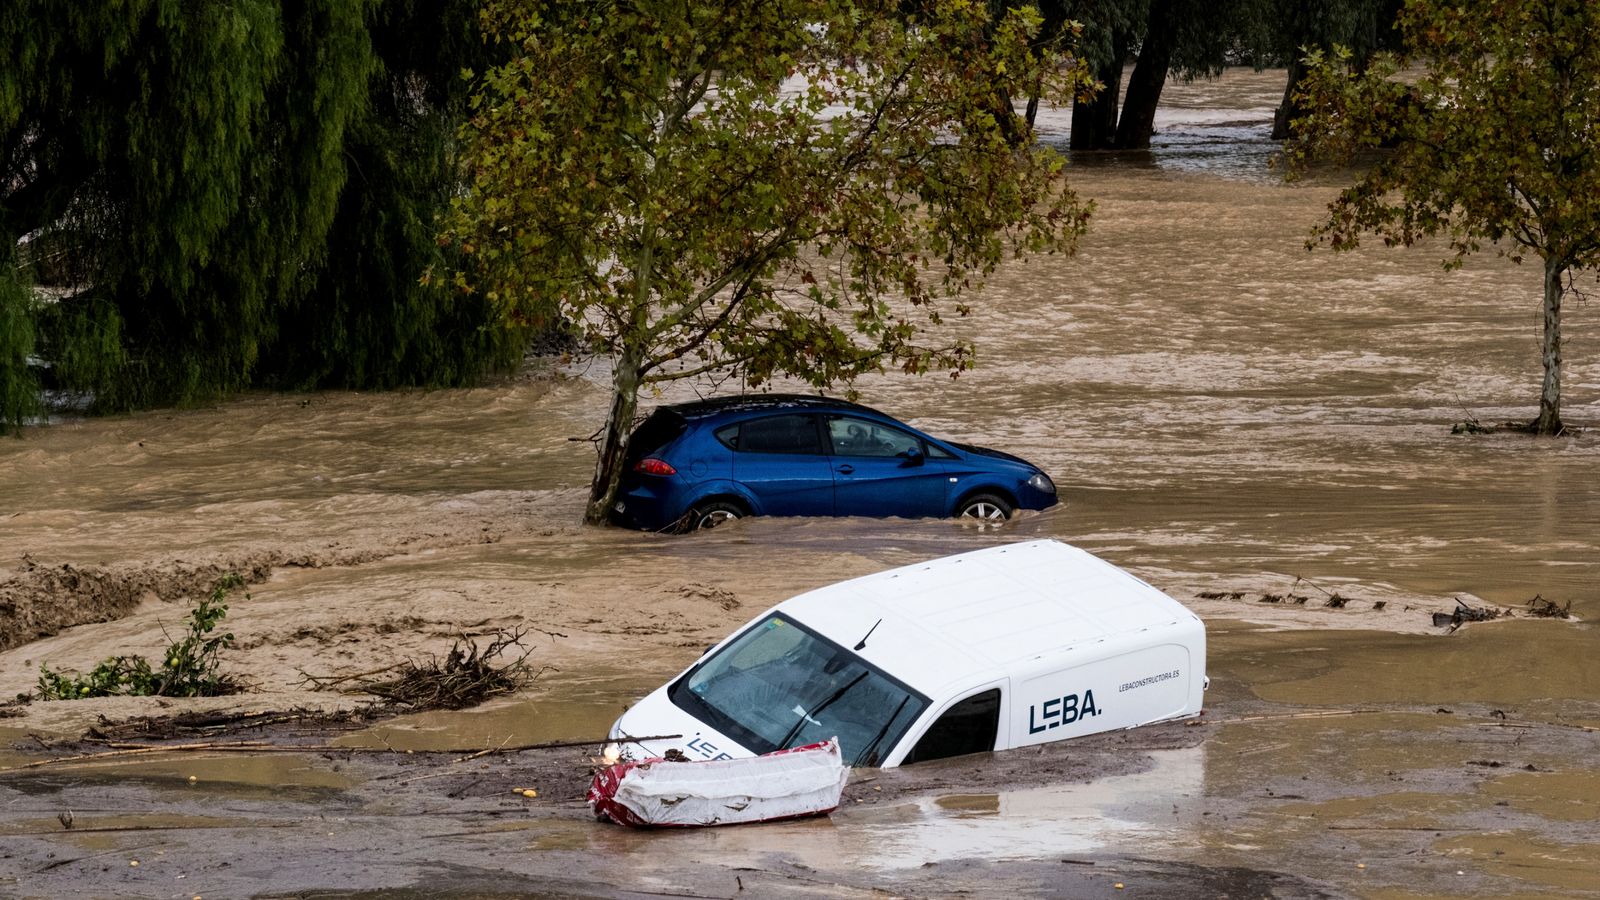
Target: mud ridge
x,y
38,600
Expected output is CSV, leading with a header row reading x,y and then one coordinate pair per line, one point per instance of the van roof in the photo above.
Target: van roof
x,y
990,613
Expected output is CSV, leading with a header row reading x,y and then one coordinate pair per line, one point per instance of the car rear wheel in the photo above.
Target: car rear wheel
x,y
985,508
714,513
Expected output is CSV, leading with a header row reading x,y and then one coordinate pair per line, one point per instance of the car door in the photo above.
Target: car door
x,y
779,459
880,470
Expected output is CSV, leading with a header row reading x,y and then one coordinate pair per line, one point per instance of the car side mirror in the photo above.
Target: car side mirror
x,y
912,457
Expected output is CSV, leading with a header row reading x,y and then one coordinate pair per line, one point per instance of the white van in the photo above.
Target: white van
x,y
999,648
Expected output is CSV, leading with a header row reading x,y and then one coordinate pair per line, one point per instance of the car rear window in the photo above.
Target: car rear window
x,y
773,434
661,429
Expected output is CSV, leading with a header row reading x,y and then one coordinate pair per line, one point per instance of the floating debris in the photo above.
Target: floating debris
x,y
1472,426
1464,613
465,677
1541,608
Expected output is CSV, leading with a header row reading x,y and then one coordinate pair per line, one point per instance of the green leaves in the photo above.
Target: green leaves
x,y
774,188
189,667
1491,138
746,150
1485,134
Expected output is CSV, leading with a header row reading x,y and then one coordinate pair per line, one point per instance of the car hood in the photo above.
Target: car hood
x,y
996,454
657,715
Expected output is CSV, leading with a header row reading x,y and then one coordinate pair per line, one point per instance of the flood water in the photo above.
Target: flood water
x,y
1221,410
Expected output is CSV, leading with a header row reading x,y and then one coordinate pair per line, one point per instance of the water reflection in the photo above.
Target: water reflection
x,y
1157,806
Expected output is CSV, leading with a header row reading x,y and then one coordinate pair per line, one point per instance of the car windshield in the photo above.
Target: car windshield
x,y
782,685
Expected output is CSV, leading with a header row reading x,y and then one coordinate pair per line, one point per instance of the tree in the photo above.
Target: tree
x,y
1189,38
227,193
757,188
182,161
1110,30
1281,32
364,318
1495,143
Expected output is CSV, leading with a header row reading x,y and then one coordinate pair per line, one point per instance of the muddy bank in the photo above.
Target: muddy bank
x,y
219,831
1385,797
40,597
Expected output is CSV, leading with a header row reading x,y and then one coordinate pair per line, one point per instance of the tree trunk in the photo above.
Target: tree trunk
x,y
1013,128
1148,78
1549,421
1094,124
625,379
1288,110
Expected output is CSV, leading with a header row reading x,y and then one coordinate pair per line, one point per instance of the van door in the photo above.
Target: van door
x,y
969,724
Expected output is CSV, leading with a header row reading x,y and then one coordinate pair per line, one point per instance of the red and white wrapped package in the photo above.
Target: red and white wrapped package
x,y
785,784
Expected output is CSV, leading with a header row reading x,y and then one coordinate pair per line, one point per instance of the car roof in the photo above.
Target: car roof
x,y
1010,610
713,406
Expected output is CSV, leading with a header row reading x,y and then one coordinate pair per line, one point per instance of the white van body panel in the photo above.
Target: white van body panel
x,y
1080,646
658,716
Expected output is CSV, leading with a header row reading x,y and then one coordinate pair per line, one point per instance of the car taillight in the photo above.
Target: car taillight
x,y
652,466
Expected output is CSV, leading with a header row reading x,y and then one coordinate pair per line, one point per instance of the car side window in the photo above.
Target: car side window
x,y
967,727
773,434
937,452
863,437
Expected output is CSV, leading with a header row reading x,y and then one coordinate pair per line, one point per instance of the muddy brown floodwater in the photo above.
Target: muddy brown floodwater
x,y
1225,414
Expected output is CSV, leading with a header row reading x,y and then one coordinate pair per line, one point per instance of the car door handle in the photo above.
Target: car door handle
x,y
846,469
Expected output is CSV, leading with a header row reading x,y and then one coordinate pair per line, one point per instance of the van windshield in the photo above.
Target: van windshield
x,y
782,685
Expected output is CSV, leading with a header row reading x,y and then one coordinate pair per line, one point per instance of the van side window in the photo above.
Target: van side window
x,y
968,727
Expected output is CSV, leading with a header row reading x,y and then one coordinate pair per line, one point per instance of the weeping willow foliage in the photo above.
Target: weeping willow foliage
x,y
227,193
19,395
368,320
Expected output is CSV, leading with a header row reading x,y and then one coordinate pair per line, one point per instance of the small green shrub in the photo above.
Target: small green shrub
x,y
189,667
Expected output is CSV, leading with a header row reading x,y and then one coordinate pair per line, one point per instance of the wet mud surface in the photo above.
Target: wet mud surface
x,y
1238,420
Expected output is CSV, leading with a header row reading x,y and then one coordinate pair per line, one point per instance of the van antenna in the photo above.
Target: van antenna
x,y
863,641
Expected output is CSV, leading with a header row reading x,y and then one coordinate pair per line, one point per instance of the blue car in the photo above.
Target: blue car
x,y
696,465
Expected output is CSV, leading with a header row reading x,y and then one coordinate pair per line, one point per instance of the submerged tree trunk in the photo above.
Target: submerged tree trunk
x,y
1149,76
1288,110
1094,124
1549,421
625,381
